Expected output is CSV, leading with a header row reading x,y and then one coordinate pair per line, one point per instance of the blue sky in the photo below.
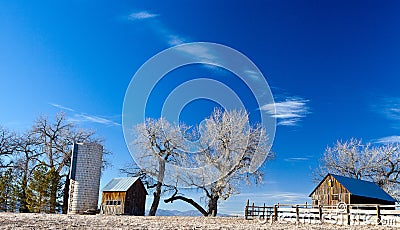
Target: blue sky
x,y
333,68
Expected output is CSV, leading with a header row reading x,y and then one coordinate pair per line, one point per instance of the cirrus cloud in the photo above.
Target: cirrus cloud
x,y
288,112
388,140
141,15
78,117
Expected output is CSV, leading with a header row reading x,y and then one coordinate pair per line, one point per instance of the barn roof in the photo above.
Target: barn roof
x,y
120,184
361,188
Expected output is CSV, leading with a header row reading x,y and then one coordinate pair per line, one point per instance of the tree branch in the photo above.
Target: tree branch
x,y
189,201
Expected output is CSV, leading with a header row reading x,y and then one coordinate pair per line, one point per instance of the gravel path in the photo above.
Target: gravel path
x,y
53,221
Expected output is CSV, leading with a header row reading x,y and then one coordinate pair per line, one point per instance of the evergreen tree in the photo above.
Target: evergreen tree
x,y
54,187
38,197
34,166
56,139
7,191
26,158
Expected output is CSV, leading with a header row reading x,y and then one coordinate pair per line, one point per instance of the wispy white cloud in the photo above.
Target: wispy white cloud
x,y
253,75
61,107
141,15
288,112
388,140
162,31
296,159
166,34
199,51
392,108
79,117
389,107
173,39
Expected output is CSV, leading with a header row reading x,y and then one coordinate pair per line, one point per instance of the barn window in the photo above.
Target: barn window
x,y
335,197
113,202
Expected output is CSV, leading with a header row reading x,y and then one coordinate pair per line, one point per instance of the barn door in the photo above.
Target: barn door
x,y
333,193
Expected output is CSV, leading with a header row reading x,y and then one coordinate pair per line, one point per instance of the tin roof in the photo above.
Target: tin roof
x,y
120,184
361,188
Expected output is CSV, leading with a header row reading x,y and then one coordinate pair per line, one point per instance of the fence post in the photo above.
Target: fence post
x,y
348,214
297,213
320,213
246,209
253,214
264,211
378,215
275,212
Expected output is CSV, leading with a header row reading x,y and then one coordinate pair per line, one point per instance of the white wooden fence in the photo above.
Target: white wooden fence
x,y
353,214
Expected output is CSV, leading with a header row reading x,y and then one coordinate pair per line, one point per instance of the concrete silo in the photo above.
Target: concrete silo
x,y
85,172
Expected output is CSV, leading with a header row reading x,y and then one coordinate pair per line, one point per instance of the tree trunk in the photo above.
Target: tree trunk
x,y
54,181
53,198
160,181
23,197
66,195
213,206
156,200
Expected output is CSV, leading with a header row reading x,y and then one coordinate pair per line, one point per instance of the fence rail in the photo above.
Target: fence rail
x,y
353,214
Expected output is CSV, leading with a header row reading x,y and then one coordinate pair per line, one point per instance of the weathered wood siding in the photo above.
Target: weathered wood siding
x,y
135,199
330,192
131,202
112,203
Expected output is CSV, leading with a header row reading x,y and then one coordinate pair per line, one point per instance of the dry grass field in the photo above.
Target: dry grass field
x,y
53,221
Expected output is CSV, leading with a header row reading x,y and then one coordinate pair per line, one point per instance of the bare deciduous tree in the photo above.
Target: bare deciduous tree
x,y
352,158
56,139
8,142
26,160
157,142
229,144
45,152
7,147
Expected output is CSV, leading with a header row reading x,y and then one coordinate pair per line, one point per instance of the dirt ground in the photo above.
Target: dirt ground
x,y
55,221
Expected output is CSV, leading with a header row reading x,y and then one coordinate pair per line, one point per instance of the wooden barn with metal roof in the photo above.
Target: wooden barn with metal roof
x,y
334,189
124,196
